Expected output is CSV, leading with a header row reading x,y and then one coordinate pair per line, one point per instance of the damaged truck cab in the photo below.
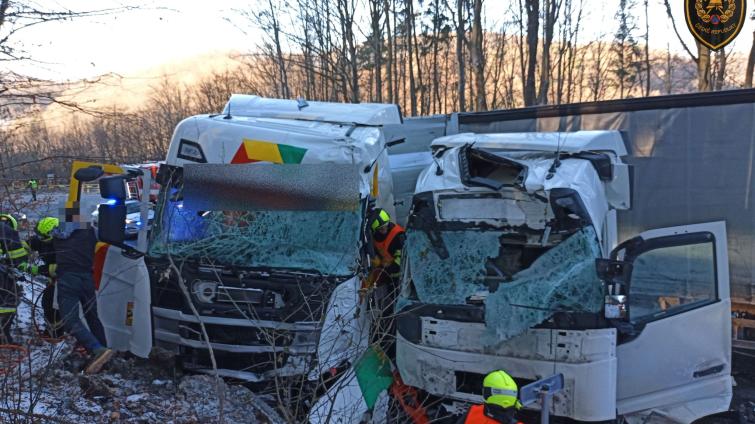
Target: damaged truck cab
x,y
509,265
258,242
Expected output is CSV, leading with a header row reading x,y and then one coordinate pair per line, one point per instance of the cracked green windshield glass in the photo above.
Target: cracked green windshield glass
x,y
323,241
478,269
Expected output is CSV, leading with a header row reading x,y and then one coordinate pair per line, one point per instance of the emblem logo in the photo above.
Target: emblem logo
x,y
715,23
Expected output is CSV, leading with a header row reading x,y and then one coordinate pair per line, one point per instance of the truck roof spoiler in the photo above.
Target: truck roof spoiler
x,y
372,114
567,142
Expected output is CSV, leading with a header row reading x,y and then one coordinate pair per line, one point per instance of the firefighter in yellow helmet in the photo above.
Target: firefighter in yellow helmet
x,y
501,403
388,240
13,254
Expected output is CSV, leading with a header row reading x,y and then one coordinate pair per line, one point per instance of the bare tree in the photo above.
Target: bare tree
x,y
376,9
533,23
550,13
460,40
478,57
625,61
702,58
647,50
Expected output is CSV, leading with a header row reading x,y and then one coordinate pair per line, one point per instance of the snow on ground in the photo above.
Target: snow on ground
x,y
49,386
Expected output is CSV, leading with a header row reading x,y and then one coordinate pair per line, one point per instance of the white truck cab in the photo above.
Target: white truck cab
x,y
261,217
510,264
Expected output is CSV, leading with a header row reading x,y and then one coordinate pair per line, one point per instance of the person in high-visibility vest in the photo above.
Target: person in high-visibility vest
x,y
33,185
501,401
388,241
14,255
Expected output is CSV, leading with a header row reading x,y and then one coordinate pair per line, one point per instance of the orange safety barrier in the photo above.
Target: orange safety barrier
x,y
407,398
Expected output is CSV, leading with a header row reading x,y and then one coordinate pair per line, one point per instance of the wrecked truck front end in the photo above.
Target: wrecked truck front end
x,y
500,274
268,247
264,282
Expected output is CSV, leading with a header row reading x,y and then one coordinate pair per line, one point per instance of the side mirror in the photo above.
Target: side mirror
x,y
615,275
612,271
111,223
114,188
87,174
395,142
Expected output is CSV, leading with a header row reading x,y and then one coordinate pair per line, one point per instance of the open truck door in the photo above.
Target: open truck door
x,y
123,297
674,322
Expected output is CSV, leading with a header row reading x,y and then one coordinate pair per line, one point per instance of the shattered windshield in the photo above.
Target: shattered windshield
x,y
323,241
520,284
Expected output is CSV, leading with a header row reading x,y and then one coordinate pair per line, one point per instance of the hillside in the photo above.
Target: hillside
x,y
131,91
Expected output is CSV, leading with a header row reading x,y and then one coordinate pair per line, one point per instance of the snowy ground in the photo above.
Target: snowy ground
x,y
48,386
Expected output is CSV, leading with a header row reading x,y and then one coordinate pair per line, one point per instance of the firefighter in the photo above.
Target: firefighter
x,y
388,241
33,185
14,254
500,393
74,245
42,243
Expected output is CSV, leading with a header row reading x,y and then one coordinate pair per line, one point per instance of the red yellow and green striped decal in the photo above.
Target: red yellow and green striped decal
x,y
264,151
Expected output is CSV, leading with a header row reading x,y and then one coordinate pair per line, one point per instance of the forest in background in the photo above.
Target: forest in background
x,y
429,57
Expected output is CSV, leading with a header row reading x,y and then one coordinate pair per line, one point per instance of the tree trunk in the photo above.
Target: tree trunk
x,y
551,13
750,63
721,69
460,54
409,18
703,67
669,71
279,53
478,58
436,77
647,51
389,45
520,45
533,23
413,39
377,37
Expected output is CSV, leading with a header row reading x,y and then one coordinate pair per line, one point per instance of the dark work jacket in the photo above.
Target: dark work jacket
x,y
74,252
10,243
46,251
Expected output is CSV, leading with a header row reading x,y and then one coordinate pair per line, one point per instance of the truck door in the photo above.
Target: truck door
x,y
124,303
674,347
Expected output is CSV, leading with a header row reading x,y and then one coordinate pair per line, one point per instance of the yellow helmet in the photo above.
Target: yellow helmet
x,y
45,226
10,220
379,217
498,388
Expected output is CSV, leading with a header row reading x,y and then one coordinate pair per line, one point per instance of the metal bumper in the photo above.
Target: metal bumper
x,y
250,356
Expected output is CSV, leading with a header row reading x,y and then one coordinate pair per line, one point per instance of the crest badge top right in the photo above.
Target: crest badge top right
x,y
715,23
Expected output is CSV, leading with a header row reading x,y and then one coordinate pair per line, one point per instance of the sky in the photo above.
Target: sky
x,y
170,30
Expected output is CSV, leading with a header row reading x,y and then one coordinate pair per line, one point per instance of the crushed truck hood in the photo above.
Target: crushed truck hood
x,y
575,174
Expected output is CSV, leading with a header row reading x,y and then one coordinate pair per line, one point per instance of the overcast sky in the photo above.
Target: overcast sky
x,y
175,29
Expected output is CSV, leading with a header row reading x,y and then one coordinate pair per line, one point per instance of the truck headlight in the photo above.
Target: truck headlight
x,y
204,291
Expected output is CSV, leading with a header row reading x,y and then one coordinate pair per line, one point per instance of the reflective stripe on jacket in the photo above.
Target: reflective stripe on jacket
x,y
382,248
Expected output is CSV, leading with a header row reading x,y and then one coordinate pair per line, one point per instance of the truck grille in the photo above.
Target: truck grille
x,y
239,295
